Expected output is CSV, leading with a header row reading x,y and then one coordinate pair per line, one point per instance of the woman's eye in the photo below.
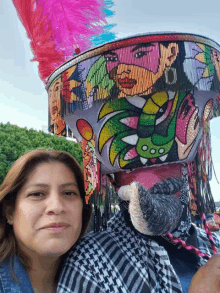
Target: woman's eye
x,y
57,88
70,193
140,54
111,58
36,194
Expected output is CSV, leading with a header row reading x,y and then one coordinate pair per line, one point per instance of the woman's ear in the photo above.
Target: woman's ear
x,y
171,53
9,215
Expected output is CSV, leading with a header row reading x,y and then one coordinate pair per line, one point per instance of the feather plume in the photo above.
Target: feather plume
x,y
41,42
107,35
59,29
104,37
73,22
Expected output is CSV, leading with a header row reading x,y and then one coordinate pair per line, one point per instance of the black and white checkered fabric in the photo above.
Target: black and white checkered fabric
x,y
119,260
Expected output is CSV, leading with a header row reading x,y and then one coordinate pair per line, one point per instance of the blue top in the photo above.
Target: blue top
x,y
184,262
7,284
183,268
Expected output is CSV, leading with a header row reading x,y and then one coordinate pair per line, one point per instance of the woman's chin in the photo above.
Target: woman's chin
x,y
55,249
54,252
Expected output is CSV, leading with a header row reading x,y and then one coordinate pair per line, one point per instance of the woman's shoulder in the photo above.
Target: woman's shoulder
x,y
19,282
100,243
6,282
115,225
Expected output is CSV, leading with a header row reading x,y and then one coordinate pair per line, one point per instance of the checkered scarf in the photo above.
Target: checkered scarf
x,y
121,260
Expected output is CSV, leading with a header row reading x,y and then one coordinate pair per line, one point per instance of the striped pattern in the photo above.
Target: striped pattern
x,y
120,260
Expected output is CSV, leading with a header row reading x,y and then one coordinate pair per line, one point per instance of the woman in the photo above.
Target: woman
x,y
43,215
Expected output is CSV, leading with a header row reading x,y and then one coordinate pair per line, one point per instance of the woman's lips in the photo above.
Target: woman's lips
x,y
54,110
57,229
127,82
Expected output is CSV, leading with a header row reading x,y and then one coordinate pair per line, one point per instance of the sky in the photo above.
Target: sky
x,y
23,98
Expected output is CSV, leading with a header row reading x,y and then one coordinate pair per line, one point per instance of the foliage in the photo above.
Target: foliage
x,y
15,141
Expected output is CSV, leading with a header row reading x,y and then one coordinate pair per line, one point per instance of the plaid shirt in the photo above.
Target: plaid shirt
x,y
119,260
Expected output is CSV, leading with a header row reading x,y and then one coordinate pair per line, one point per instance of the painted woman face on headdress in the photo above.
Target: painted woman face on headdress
x,y
215,56
136,68
55,100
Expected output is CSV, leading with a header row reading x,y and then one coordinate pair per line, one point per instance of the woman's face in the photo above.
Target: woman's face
x,y
47,219
54,100
136,68
216,61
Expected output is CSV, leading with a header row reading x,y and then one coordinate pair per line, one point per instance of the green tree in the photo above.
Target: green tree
x,y
15,141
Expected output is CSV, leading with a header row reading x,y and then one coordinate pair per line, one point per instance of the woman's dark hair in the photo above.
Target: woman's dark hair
x,y
13,182
183,82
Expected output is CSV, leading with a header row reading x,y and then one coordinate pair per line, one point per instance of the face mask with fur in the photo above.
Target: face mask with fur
x,y
155,211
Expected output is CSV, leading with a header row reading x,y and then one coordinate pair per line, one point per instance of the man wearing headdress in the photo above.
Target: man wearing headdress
x,y
152,144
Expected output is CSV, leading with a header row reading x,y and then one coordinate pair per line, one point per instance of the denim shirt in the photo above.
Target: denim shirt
x,y
7,284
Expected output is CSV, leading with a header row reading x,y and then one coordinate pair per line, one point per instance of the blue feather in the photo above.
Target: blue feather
x,y
107,35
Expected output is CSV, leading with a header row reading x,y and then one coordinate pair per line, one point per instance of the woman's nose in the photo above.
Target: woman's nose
x,y
55,204
123,68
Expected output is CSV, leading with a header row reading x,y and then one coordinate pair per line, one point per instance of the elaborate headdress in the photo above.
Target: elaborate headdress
x,y
142,102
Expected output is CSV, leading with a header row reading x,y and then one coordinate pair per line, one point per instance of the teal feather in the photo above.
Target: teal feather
x,y
107,35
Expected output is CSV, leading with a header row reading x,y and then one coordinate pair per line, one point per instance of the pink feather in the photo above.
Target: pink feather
x,y
59,28
73,22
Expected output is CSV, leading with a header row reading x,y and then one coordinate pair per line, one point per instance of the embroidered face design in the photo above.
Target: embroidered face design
x,y
216,61
187,126
54,100
89,156
90,170
136,68
91,174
